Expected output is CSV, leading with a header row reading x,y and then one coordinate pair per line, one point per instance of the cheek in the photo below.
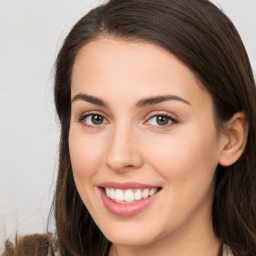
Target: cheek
x,y
188,165
85,155
189,156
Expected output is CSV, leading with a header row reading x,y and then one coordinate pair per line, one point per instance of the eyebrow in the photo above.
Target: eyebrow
x,y
90,99
158,99
141,103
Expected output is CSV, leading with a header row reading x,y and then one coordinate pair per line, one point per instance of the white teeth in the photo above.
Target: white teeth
x,y
107,192
145,193
129,196
112,194
138,195
119,195
152,191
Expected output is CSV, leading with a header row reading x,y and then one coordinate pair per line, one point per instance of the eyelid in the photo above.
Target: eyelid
x,y
83,116
172,117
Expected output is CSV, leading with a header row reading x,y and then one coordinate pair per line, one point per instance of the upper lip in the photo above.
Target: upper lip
x,y
125,185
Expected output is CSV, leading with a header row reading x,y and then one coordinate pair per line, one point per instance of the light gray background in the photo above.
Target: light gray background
x,y
31,32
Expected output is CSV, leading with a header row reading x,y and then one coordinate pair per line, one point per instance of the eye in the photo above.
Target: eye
x,y
93,120
161,120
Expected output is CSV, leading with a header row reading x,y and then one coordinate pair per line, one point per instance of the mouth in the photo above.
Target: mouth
x,y
127,199
129,196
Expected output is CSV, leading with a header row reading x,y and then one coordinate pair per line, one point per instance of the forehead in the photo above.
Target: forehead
x,y
142,68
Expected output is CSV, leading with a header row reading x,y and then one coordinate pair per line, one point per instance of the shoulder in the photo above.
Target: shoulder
x,y
227,251
56,253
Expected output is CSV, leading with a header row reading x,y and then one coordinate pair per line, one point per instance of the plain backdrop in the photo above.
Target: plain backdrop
x,y
31,32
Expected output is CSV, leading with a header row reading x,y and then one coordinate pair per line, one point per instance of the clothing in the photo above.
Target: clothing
x,y
49,252
226,251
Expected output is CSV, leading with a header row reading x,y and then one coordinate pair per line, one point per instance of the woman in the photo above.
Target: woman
x,y
156,101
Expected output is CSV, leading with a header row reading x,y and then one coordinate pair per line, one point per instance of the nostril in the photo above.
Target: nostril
x,y
119,160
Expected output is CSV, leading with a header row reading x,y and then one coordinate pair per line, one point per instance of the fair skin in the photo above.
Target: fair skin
x,y
169,143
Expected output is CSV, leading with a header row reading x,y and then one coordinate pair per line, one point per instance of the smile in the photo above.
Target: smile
x,y
129,196
127,199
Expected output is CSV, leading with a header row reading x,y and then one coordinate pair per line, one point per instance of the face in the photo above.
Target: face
x,y
143,142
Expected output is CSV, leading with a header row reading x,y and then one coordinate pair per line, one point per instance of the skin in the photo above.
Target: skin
x,y
130,146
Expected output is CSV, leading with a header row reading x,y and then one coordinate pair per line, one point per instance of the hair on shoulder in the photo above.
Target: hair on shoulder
x,y
30,245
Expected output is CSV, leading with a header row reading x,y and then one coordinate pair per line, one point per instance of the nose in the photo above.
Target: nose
x,y
123,152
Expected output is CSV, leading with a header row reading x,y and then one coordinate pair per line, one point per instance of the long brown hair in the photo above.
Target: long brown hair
x,y
203,38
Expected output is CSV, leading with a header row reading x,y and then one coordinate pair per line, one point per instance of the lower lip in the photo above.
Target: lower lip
x,y
126,210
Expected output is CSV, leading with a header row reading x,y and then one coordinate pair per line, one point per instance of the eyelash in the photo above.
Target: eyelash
x,y
171,120
84,116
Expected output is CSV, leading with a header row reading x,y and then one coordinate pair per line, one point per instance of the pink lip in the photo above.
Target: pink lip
x,y
126,185
126,210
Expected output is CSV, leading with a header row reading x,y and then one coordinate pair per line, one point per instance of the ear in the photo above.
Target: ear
x,y
235,139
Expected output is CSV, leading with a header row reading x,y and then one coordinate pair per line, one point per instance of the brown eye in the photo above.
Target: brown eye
x,y
161,120
93,119
97,119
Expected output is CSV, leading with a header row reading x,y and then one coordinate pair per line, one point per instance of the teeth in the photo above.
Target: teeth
x,y
107,190
152,191
119,195
129,196
112,194
138,195
145,193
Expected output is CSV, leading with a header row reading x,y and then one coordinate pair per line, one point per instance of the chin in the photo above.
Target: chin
x,y
131,237
131,241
